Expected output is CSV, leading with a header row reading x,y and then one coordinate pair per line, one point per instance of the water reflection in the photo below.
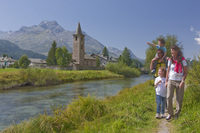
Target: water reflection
x,y
22,103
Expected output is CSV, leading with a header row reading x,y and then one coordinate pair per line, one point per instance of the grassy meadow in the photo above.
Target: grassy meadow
x,y
189,119
131,110
122,69
10,78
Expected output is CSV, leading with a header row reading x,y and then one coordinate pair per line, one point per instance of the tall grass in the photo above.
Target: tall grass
x,y
189,119
122,69
131,110
40,77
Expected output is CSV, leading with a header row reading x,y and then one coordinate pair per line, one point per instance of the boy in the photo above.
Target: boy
x,y
161,43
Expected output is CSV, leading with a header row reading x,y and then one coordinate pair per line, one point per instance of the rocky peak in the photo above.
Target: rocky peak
x,y
51,25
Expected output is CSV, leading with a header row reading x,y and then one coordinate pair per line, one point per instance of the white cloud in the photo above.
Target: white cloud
x,y
191,29
197,33
198,40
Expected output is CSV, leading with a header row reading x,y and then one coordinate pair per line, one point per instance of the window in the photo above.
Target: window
x,y
76,38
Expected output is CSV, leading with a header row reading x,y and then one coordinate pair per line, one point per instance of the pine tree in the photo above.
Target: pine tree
x,y
126,57
51,58
105,52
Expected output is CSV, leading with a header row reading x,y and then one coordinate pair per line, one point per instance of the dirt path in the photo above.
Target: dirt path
x,y
164,125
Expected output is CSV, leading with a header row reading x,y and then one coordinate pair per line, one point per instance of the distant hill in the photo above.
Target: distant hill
x,y
116,53
39,38
14,51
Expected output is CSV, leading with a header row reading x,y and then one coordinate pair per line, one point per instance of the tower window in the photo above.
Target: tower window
x,y
81,38
76,38
81,46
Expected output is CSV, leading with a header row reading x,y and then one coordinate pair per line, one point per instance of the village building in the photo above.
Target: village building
x,y
6,61
80,59
104,60
37,63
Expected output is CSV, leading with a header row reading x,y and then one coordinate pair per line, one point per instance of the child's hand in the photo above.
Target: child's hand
x,y
155,58
148,43
160,81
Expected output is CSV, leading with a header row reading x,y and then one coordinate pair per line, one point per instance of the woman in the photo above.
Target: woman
x,y
175,78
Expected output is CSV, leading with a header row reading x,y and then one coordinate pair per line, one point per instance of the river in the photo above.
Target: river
x,y
22,103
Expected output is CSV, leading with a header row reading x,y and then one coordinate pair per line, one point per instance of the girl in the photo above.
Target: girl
x,y
161,92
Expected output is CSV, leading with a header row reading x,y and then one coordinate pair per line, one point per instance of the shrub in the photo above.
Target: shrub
x,y
189,119
122,69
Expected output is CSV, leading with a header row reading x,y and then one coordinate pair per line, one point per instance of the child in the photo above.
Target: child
x,y
161,92
161,43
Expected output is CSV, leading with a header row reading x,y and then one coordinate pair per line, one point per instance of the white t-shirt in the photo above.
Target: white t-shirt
x,y
161,89
174,75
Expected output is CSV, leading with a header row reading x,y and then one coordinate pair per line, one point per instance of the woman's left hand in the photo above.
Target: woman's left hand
x,y
181,85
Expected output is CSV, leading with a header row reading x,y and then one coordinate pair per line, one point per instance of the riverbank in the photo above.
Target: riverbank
x,y
130,110
11,78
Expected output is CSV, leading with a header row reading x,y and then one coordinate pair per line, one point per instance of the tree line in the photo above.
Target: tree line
x,y
58,56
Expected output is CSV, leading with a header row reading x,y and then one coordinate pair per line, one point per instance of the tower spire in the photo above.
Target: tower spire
x,y
78,31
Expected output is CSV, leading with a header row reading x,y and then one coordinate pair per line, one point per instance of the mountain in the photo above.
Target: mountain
x,y
39,38
14,51
116,53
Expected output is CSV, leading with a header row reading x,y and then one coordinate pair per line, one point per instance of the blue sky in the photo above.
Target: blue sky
x,y
115,23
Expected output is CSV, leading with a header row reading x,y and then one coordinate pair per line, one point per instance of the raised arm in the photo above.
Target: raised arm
x,y
151,44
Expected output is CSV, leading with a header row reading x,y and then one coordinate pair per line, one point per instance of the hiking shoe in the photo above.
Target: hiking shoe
x,y
168,117
162,116
176,116
153,71
157,115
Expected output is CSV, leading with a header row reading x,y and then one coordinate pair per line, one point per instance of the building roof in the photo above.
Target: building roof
x,y
89,57
78,31
37,61
8,59
110,59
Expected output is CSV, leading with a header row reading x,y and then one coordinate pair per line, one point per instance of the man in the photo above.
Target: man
x,y
160,54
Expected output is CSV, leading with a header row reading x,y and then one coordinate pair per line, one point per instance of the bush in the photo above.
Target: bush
x,y
189,119
73,117
123,70
10,78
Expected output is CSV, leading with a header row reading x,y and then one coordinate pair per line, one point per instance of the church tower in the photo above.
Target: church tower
x,y
78,47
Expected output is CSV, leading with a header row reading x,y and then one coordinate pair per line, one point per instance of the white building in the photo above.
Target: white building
x,y
104,60
37,62
6,61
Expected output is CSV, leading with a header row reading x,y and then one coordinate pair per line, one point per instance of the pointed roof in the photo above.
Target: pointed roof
x,y
78,31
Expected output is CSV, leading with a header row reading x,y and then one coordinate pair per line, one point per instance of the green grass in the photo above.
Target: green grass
x,y
189,119
8,70
131,110
10,78
122,69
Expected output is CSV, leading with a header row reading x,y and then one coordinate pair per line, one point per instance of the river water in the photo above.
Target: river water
x,y
20,104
